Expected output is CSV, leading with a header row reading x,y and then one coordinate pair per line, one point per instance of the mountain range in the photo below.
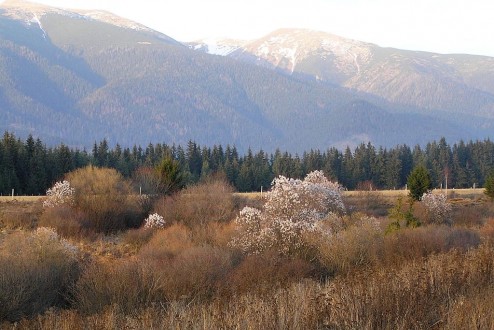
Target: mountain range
x,y
77,77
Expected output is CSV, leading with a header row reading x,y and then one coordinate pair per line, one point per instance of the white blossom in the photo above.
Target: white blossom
x,y
61,193
438,208
292,207
154,221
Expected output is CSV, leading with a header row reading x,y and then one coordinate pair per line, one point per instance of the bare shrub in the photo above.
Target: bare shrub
x,y
137,238
195,273
358,246
185,270
414,295
472,214
291,308
487,231
264,272
414,244
371,203
37,270
167,243
200,204
66,220
214,233
124,284
106,199
147,180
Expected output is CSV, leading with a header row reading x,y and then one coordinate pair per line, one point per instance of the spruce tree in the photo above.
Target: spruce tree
x,y
419,182
489,186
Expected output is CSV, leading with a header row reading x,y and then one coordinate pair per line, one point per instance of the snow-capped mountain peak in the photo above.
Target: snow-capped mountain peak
x,y
31,13
286,48
222,47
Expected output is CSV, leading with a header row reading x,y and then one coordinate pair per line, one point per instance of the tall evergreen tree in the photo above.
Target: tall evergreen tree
x,y
419,182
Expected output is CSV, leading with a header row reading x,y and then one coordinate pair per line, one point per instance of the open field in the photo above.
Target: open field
x,y
471,193
21,198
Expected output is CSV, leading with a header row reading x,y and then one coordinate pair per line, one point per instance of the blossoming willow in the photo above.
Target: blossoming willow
x,y
438,208
292,207
154,221
61,193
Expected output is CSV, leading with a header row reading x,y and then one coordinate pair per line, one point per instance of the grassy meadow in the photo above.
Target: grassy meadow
x,y
187,275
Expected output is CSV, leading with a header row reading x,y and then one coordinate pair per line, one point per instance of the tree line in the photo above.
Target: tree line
x,y
30,167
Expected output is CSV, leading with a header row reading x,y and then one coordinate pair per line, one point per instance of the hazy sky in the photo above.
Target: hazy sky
x,y
444,26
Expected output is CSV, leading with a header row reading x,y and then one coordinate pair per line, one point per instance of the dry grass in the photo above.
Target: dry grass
x,y
415,295
20,214
186,276
36,273
8,199
446,291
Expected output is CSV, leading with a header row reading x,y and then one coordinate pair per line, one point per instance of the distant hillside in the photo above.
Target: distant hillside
x,y
79,77
429,83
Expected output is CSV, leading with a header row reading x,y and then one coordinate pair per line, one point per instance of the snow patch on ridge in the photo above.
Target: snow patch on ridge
x,y
222,47
216,47
32,13
36,20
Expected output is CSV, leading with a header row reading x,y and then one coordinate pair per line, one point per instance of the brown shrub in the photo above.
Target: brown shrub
x,y
186,270
472,214
125,284
414,295
292,308
167,243
197,205
137,238
195,273
106,200
264,272
66,220
356,247
487,231
363,245
473,311
214,234
413,244
37,271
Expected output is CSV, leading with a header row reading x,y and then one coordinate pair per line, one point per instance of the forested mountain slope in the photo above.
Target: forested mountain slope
x,y
79,77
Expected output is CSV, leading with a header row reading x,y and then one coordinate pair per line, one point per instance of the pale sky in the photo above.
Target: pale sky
x,y
443,26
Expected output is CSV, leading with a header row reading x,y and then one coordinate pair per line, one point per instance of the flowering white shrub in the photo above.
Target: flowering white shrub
x,y
60,193
292,208
154,221
438,209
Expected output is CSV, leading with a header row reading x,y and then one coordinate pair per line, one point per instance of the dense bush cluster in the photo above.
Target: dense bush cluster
x,y
204,256
438,208
293,207
37,272
93,199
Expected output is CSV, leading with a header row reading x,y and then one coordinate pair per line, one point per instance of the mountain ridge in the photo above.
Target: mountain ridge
x,y
393,74
76,80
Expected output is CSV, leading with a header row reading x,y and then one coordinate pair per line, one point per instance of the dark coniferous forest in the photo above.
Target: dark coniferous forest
x,y
30,167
